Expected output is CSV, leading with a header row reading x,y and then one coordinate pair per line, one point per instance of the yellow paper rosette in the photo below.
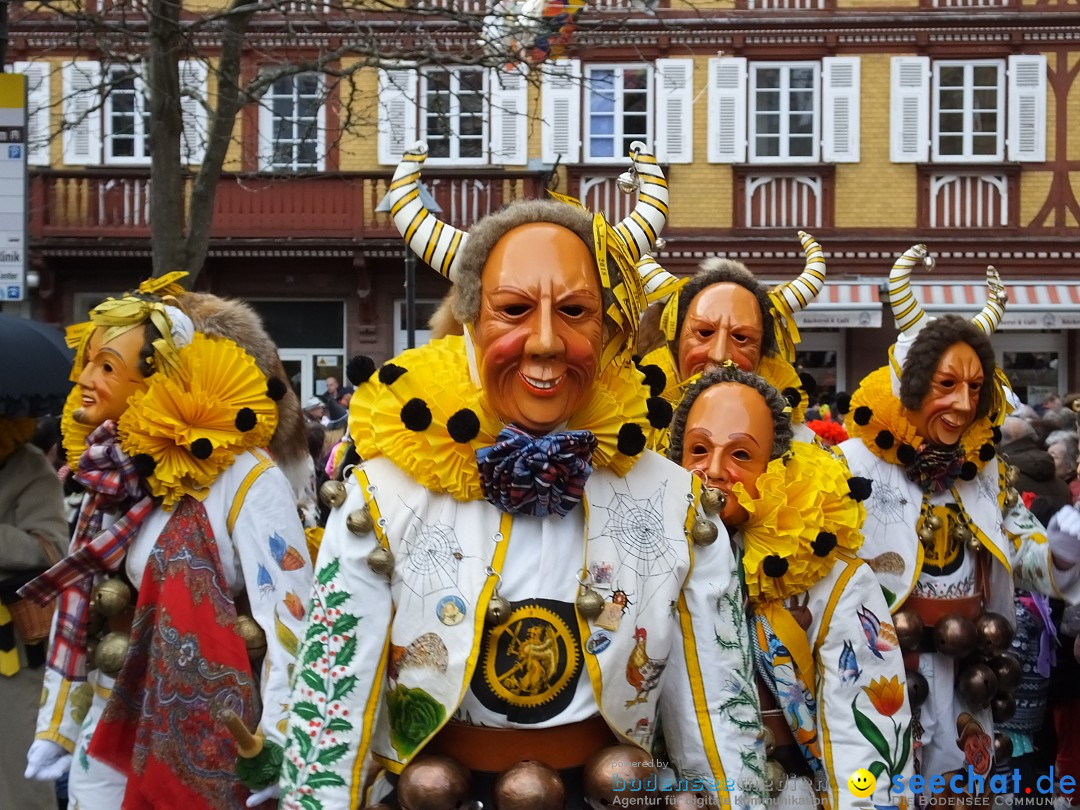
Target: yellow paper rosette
x,y
781,375
13,433
195,423
72,432
423,412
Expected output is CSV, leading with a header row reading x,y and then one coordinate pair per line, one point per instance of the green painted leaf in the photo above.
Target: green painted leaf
x,y
313,629
303,741
343,687
313,652
339,724
876,769
345,623
309,802
328,756
306,709
292,770
906,735
328,572
890,597
314,680
871,732
346,653
337,599
324,779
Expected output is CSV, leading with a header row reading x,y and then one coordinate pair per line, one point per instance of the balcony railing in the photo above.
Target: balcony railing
x,y
965,197
116,203
783,197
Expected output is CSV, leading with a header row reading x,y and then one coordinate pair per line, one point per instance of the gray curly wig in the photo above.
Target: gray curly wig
x,y
717,271
782,433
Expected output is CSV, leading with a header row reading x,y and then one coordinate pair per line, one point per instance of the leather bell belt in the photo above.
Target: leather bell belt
x,y
482,748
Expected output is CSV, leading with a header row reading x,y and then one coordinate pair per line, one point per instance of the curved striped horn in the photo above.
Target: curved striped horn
x,y
907,311
659,283
801,292
996,298
430,238
642,228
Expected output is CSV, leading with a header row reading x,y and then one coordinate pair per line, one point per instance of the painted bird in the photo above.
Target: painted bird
x,y
642,672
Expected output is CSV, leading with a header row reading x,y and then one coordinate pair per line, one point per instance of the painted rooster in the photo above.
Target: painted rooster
x,y
642,672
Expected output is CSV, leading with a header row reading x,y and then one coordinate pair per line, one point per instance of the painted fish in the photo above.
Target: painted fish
x,y
880,636
295,606
848,668
286,556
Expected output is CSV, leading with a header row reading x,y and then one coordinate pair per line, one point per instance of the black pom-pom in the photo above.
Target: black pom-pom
x,y
905,454
655,378
245,420
825,543
389,373
859,487
809,384
987,452
276,388
862,415
351,459
996,433
202,448
360,369
792,396
884,440
774,566
843,402
631,439
636,360
968,471
144,464
659,412
463,426
415,414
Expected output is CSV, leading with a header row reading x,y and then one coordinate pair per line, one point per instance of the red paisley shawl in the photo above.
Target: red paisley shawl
x,y
186,663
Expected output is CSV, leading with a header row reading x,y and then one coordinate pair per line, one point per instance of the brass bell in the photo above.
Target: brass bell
x,y
917,689
926,534
1003,748
627,182
359,521
1003,708
1007,669
498,611
995,633
1011,497
530,785
381,561
974,544
433,783
628,763
769,739
254,638
332,493
110,596
1012,475
589,603
713,500
977,685
909,628
111,652
659,244
704,532
775,777
960,533
955,636
934,521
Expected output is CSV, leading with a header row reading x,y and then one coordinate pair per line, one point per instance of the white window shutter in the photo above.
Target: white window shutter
x,y
909,126
193,76
727,109
81,107
397,112
840,88
38,111
560,104
509,116
1027,108
674,110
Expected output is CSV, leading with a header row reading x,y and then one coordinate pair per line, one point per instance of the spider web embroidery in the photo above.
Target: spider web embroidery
x,y
886,503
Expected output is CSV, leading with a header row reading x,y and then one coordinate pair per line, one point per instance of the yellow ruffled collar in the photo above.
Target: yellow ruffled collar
x,y
13,434
808,508
423,412
879,421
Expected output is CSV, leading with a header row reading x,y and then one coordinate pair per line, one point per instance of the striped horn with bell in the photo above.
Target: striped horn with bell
x,y
801,292
996,298
907,311
659,283
642,228
429,237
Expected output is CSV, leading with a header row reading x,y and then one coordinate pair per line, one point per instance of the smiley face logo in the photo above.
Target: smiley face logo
x,y
861,783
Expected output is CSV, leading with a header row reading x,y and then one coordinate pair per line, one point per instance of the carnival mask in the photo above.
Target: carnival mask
x,y
949,407
723,322
110,375
729,439
539,333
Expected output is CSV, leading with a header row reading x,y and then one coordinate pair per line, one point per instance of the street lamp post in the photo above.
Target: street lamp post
x,y
383,207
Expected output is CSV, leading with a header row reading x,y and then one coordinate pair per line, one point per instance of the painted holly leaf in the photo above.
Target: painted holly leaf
x,y
325,575
346,653
292,770
339,724
309,802
313,652
313,629
870,731
343,687
336,599
312,679
328,756
321,779
303,741
346,623
306,709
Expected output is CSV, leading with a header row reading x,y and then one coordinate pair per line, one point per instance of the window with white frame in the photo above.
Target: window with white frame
x,y
454,113
618,110
968,111
127,115
784,112
292,124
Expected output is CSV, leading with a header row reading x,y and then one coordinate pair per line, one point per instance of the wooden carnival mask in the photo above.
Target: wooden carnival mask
x,y
723,323
949,407
110,375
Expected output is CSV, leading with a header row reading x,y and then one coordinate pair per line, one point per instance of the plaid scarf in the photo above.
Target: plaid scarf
x,y
935,467
113,486
531,475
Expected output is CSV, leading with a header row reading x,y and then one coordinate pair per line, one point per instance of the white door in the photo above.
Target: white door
x,y
297,364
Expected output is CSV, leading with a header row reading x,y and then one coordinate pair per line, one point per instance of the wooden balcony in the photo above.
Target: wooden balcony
x,y
339,208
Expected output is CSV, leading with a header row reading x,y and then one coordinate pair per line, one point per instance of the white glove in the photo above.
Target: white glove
x,y
46,761
260,796
1063,532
